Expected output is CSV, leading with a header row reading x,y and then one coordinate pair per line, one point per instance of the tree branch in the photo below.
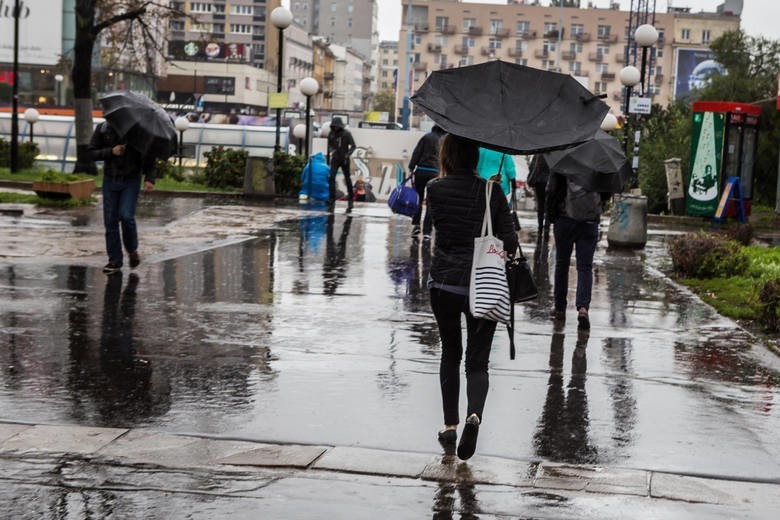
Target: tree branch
x,y
127,15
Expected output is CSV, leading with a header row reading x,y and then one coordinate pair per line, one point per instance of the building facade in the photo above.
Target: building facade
x,y
589,43
388,65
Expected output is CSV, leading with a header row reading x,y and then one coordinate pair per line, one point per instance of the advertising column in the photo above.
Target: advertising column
x,y
706,152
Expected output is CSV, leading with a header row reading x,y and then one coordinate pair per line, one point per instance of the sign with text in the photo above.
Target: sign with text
x,y
639,105
277,100
219,85
40,32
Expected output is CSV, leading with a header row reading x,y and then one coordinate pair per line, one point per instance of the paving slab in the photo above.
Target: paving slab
x,y
62,439
273,455
712,491
9,430
375,462
481,470
594,479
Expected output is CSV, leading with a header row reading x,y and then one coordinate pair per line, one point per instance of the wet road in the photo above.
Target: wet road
x,y
280,324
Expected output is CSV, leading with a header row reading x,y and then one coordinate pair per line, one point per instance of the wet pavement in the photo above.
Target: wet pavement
x,y
289,325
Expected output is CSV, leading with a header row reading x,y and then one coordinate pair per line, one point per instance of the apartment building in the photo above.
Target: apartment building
x,y
388,65
589,43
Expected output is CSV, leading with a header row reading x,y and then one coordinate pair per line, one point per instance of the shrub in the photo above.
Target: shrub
x,y
225,167
742,233
769,301
287,173
28,151
706,255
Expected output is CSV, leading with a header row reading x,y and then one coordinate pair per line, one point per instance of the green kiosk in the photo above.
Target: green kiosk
x,y
723,150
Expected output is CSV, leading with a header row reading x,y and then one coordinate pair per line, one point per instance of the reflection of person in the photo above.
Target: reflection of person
x,y
562,432
123,167
456,201
537,178
575,214
340,148
335,269
424,165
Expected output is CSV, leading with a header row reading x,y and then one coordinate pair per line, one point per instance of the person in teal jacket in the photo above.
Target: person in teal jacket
x,y
492,162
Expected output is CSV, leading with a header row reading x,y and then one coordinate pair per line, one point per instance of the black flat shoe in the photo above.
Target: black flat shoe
x,y
468,440
448,436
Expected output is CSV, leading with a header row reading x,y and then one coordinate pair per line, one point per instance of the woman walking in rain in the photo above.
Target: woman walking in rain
x,y
456,201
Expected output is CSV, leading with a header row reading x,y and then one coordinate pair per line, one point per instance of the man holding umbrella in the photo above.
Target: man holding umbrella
x,y
135,133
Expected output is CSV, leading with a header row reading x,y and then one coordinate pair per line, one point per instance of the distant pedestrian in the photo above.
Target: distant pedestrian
x,y
575,214
538,175
123,167
340,148
456,200
500,168
424,166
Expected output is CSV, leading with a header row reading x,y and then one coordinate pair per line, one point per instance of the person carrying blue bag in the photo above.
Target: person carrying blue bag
x,y
315,179
424,166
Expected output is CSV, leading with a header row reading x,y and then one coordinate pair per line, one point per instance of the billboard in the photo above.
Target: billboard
x,y
40,32
204,51
706,153
694,69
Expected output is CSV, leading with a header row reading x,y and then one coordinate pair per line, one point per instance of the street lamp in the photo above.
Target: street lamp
x,y
309,87
629,76
181,124
609,123
31,116
645,36
59,78
299,132
281,18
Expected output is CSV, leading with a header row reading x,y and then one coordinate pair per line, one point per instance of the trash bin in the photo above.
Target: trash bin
x,y
674,184
628,222
259,176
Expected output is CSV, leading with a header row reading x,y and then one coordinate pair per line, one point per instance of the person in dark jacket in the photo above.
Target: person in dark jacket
x,y
123,168
340,148
424,165
537,178
456,201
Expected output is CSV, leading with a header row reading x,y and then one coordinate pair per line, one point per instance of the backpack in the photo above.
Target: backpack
x,y
581,204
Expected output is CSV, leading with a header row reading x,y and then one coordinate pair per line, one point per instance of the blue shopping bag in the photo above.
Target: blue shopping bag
x,y
403,199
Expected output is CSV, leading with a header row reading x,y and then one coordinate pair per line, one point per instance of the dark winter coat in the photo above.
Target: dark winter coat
x,y
457,206
426,153
539,171
341,144
128,167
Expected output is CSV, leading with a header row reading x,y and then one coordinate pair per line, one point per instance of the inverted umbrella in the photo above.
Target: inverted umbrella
x,y
511,108
597,165
141,123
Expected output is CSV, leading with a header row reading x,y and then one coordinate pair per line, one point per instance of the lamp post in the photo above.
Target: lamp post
x,y
629,76
609,123
59,78
31,116
181,124
309,87
15,93
299,131
281,18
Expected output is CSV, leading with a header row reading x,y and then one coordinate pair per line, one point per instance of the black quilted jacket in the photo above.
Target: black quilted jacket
x,y
457,205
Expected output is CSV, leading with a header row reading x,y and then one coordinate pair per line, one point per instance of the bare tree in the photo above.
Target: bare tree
x,y
135,32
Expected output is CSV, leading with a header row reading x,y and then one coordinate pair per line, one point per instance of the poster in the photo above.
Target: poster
x,y
701,198
40,32
694,67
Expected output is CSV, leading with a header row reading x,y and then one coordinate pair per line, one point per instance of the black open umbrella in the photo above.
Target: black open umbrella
x,y
141,123
597,165
511,108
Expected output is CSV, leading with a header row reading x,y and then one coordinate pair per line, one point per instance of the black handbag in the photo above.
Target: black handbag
x,y
522,288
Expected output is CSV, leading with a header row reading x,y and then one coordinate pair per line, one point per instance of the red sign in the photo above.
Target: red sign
x,y
7,77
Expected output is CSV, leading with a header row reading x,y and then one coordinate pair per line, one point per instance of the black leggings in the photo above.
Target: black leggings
x,y
447,308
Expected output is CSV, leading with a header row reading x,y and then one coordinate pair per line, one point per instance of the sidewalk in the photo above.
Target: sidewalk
x,y
210,477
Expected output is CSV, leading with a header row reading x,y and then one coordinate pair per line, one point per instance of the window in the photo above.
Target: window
x,y
468,23
384,61
496,25
548,47
548,64
602,50
417,38
241,9
200,7
705,36
659,53
442,61
600,87
577,28
442,22
659,71
494,43
575,67
575,47
601,68
466,60
522,61
467,41
603,31
521,45
685,34
384,73
177,25
522,27
550,27
219,9
240,28
201,27
440,40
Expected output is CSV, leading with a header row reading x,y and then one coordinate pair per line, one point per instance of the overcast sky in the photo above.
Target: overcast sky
x,y
759,17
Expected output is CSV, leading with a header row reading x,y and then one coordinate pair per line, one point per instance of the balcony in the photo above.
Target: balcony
x,y
461,49
434,48
421,27
607,38
475,31
499,32
581,37
541,54
528,35
607,76
489,51
515,53
551,34
446,29
568,55
420,66
328,76
596,56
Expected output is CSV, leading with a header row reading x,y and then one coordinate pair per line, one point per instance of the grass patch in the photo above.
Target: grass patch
x,y
168,184
28,175
734,297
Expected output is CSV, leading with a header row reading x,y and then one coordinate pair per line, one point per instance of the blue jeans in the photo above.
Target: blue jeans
x,y
119,202
568,235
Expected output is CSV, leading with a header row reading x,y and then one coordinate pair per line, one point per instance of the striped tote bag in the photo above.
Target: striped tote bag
x,y
489,291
